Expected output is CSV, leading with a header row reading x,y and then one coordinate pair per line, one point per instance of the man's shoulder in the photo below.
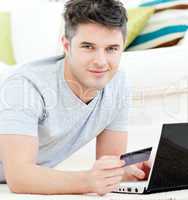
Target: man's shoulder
x,y
42,64
40,69
41,73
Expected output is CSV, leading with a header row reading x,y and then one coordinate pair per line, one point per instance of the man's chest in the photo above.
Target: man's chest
x,y
70,123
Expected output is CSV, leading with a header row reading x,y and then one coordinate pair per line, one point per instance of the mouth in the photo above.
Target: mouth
x,y
98,73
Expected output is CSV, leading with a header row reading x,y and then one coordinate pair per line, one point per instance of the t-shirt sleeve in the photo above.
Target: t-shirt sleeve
x,y
121,114
20,107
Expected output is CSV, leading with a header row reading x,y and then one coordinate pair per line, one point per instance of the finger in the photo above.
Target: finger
x,y
133,179
144,166
109,157
113,172
111,188
109,163
148,163
138,173
139,165
113,180
146,169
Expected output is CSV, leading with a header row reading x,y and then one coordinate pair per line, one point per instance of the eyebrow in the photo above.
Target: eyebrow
x,y
90,43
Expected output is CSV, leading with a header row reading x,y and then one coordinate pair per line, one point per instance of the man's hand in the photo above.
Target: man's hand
x,y
105,174
137,172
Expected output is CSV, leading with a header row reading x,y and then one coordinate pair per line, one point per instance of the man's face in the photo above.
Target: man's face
x,y
93,56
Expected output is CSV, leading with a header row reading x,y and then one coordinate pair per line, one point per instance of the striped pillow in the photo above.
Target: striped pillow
x,y
164,29
160,5
137,18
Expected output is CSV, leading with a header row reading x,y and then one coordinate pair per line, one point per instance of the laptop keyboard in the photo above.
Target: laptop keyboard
x,y
131,187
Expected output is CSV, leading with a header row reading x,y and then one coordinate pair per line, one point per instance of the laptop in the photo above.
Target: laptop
x,y
169,170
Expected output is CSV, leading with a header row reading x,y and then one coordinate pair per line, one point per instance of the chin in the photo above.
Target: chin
x,y
99,87
97,84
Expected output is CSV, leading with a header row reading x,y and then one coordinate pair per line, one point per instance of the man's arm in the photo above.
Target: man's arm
x,y
19,154
111,143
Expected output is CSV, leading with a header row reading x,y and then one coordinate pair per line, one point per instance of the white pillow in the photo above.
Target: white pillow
x,y
159,71
4,68
36,29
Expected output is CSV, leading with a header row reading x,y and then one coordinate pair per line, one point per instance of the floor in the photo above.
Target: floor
x,y
176,195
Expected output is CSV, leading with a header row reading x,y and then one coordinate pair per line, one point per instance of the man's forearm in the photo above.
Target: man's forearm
x,y
42,180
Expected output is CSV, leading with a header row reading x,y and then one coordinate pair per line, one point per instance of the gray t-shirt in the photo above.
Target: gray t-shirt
x,y
35,100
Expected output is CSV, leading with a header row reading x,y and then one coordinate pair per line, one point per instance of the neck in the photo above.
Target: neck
x,y
83,93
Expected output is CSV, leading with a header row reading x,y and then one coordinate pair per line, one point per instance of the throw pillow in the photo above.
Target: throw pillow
x,y
165,28
137,18
160,5
6,51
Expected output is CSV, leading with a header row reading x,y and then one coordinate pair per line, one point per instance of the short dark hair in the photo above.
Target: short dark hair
x,y
109,13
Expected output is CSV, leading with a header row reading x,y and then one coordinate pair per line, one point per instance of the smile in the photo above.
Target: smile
x,y
98,73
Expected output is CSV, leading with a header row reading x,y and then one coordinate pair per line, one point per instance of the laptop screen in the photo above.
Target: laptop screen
x,y
170,170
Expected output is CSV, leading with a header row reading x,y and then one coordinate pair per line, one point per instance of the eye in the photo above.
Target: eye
x,y
87,47
112,49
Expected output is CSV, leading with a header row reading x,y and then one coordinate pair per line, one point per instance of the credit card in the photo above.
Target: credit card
x,y
136,156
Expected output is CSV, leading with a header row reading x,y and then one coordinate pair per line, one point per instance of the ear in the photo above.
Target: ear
x,y
66,44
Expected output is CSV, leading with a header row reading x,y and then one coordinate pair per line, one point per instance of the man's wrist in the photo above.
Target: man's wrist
x,y
86,180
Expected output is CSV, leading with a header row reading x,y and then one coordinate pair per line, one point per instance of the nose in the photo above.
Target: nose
x,y
100,58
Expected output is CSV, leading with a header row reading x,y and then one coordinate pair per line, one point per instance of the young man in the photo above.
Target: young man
x,y
50,108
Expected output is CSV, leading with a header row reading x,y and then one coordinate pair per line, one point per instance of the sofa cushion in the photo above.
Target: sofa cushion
x,y
156,72
6,51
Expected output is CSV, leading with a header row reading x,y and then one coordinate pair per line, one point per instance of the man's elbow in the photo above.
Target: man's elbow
x,y
16,188
17,184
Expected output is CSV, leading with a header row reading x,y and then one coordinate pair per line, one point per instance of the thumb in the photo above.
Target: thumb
x,y
148,163
138,173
